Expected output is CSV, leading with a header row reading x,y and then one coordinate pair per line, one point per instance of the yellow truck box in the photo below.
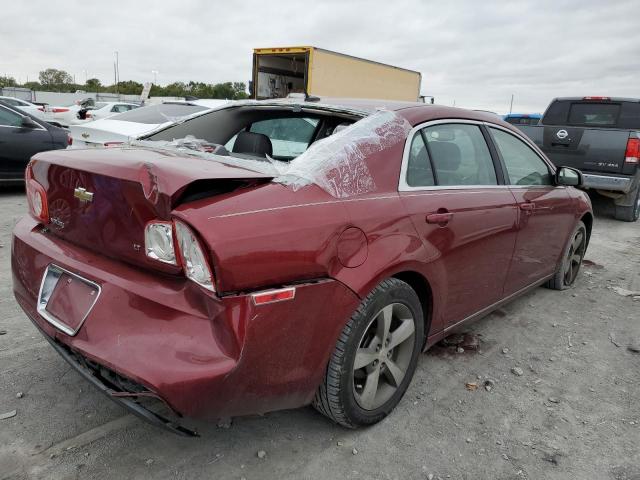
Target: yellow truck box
x,y
278,72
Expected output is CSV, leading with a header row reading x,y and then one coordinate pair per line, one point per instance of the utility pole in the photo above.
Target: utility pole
x,y
117,72
155,76
511,105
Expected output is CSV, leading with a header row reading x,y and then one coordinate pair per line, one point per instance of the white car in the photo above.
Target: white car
x,y
108,109
35,110
132,125
82,112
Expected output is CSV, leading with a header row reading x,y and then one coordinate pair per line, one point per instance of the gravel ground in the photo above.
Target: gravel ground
x,y
572,413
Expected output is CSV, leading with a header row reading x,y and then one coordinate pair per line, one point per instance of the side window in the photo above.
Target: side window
x,y
419,172
460,155
12,102
289,137
120,108
524,166
9,118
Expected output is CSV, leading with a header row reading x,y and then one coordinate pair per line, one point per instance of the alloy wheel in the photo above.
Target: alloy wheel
x,y
383,356
574,257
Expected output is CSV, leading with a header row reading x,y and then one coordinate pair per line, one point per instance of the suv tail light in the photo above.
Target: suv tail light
x,y
599,99
36,197
632,155
59,110
175,243
69,140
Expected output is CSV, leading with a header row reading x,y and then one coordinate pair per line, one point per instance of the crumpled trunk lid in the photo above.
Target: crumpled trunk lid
x,y
102,199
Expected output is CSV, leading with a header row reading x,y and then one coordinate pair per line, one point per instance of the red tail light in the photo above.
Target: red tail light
x,y
41,109
59,110
69,140
632,155
36,197
88,115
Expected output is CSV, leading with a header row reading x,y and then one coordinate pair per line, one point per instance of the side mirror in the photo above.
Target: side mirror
x,y
568,176
27,122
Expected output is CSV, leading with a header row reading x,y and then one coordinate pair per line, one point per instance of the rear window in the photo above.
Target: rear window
x,y
630,115
594,114
155,114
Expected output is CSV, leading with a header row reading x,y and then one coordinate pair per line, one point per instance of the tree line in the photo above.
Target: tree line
x,y
54,80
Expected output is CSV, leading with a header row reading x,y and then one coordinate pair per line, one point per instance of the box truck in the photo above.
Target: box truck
x,y
277,72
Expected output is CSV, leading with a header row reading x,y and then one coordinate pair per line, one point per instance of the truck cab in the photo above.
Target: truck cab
x,y
601,137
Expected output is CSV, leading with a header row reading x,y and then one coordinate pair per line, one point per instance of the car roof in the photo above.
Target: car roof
x,y
363,105
14,98
413,112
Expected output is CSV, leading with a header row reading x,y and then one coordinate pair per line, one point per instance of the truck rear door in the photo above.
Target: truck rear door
x,y
590,135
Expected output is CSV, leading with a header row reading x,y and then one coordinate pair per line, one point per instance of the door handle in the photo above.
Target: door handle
x,y
527,207
442,218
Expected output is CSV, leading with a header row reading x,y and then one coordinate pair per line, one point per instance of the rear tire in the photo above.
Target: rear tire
x,y
572,257
632,212
375,357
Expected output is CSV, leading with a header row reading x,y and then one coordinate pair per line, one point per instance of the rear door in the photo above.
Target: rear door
x,y
463,212
545,211
18,144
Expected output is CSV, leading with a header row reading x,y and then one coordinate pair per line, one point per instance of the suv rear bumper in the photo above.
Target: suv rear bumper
x,y
607,182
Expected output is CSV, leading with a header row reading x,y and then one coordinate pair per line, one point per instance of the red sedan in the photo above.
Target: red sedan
x,y
269,255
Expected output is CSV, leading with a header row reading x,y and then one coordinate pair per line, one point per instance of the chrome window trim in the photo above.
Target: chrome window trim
x,y
404,187
42,303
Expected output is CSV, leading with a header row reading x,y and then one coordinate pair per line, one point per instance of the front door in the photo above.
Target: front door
x,y
545,213
463,213
18,144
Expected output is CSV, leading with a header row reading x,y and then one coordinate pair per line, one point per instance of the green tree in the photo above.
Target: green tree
x,y
52,77
7,81
93,85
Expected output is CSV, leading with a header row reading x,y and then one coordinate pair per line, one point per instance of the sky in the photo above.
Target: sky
x,y
474,54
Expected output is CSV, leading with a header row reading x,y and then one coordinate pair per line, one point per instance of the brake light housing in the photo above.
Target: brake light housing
x,y
175,243
36,197
597,99
59,110
159,242
632,154
192,256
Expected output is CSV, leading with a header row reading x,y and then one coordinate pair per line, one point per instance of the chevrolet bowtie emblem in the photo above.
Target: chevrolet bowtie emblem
x,y
84,196
85,135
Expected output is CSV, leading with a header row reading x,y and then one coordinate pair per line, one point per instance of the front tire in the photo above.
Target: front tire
x,y
572,258
375,357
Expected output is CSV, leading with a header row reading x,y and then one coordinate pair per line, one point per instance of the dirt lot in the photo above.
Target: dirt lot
x,y
574,413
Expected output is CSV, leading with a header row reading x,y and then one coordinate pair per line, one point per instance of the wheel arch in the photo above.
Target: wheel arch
x,y
587,219
422,287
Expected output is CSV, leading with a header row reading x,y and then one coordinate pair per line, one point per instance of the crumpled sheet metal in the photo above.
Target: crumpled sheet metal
x,y
337,164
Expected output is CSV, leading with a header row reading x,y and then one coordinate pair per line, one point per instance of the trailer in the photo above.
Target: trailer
x,y
277,72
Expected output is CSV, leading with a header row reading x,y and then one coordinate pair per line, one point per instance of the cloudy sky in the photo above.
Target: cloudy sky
x,y
473,53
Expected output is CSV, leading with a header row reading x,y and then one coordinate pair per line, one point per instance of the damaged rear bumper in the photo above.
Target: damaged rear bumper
x,y
128,400
204,356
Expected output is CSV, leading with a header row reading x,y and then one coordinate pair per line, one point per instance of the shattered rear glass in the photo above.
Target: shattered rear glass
x,y
337,164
